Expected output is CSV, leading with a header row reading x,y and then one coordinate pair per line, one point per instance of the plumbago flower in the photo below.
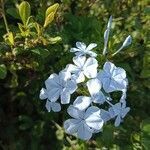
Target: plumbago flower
x,y
113,78
119,111
83,67
84,122
87,116
59,86
55,106
82,50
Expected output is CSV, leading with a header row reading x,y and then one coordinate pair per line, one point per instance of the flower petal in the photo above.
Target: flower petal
x,y
48,105
55,106
53,94
93,110
75,112
99,98
81,45
91,46
64,76
92,54
93,118
71,86
84,132
105,115
117,108
71,126
117,121
74,50
109,67
119,73
106,84
94,86
43,93
79,54
79,77
125,111
90,68
52,81
111,112
79,61
82,102
72,68
95,122
65,97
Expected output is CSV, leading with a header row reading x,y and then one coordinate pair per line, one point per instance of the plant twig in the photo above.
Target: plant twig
x,y
4,16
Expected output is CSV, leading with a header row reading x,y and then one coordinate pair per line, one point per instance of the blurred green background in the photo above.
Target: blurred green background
x,y
24,122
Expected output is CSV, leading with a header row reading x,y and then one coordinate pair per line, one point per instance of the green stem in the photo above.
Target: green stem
x,y
4,16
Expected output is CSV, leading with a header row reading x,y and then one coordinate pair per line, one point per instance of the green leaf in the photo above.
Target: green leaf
x,y
24,11
42,52
3,71
13,12
9,38
49,19
55,40
145,136
146,66
25,122
51,9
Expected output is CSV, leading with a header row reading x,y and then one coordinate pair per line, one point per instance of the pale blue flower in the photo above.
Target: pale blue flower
x,y
113,78
84,122
60,86
119,111
55,106
83,67
83,50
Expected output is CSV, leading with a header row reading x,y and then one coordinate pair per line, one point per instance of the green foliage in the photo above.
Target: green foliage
x,y
32,50
24,11
3,71
145,127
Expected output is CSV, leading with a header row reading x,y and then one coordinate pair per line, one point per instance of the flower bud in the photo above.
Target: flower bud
x,y
127,41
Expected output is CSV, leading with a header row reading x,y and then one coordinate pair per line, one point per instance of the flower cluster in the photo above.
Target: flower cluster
x,y
87,117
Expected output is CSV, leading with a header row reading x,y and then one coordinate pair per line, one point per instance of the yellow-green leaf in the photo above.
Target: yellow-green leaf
x,y
55,40
51,9
38,28
24,31
9,38
49,19
24,11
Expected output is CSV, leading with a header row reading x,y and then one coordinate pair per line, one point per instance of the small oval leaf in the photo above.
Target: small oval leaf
x,y
49,19
24,11
51,9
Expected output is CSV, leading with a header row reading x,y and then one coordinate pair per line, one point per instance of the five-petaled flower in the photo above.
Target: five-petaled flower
x,y
83,50
119,111
55,106
84,122
83,68
60,86
113,78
